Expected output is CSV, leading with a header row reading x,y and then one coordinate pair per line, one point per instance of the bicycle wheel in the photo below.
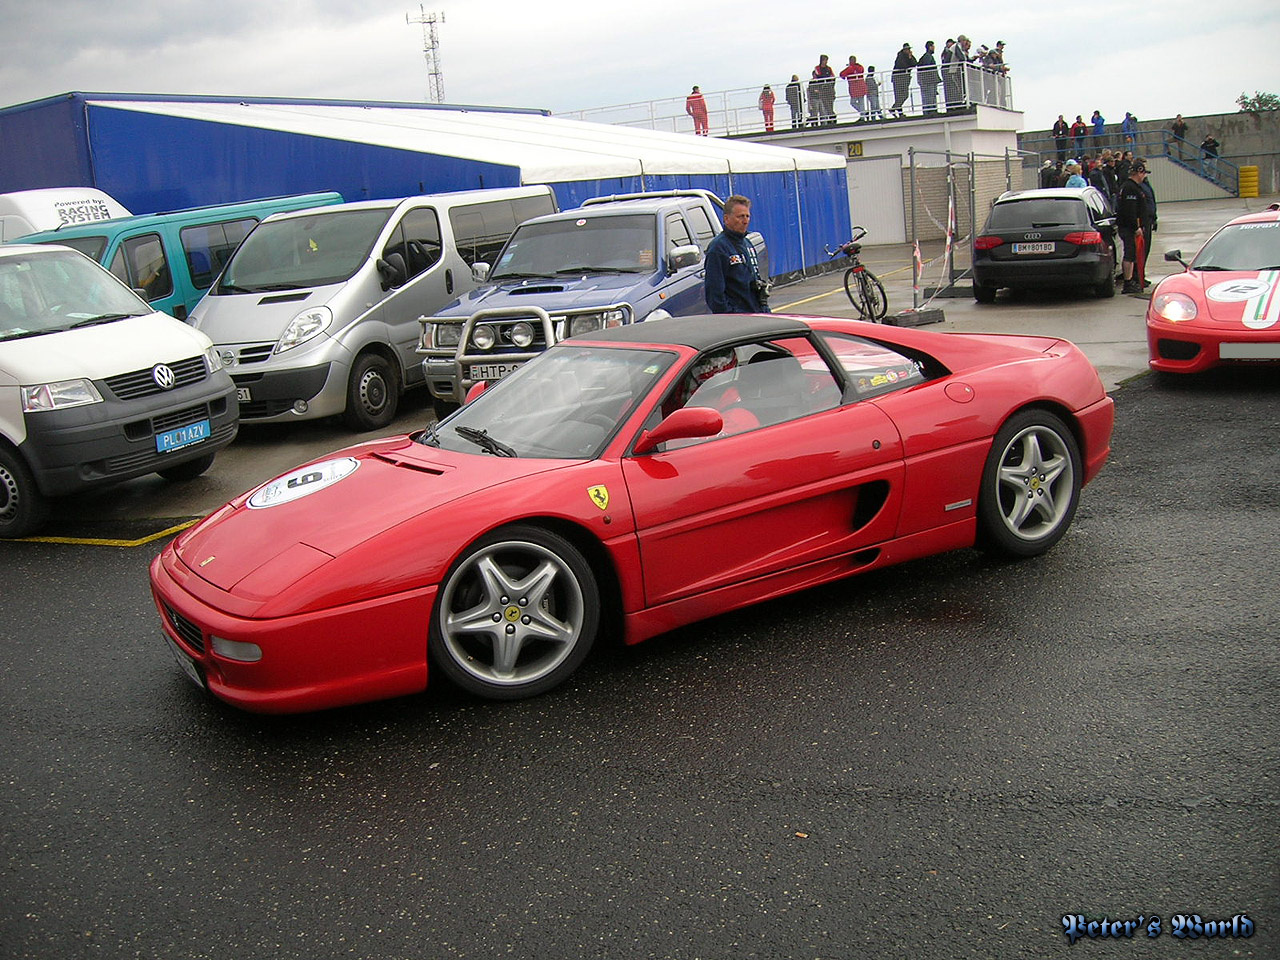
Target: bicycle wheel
x,y
871,293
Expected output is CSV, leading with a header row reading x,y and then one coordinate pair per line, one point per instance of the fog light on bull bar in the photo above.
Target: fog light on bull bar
x,y
237,650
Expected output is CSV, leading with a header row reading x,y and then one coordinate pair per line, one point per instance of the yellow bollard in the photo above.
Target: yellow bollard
x,y
1249,181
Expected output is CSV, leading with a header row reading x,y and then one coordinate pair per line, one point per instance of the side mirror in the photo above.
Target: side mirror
x,y
684,256
1175,256
475,390
685,424
479,271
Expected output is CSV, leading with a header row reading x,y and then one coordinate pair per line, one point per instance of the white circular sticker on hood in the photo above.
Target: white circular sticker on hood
x,y
303,482
1237,291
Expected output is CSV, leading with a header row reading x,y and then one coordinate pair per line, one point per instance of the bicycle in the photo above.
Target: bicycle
x,y
864,289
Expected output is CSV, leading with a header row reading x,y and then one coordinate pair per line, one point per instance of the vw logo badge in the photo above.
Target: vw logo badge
x,y
163,376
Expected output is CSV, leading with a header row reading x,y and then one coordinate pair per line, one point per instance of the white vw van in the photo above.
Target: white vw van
x,y
316,313
95,386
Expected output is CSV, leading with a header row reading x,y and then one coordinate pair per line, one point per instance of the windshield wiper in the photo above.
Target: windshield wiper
x,y
1209,266
430,436
1053,223
105,318
23,334
482,438
495,277
586,269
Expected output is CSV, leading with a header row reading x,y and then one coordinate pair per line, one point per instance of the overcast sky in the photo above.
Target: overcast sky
x,y
1154,59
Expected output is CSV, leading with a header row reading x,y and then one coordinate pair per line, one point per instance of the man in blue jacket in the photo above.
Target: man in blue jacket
x,y
733,283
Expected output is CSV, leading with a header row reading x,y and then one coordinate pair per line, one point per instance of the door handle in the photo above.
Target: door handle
x,y
448,280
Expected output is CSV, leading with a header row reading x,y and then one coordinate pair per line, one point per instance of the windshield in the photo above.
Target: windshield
x,y
91,247
563,405
621,244
57,290
1242,246
298,252
1039,212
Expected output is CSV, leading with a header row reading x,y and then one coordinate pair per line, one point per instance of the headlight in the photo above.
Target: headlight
x,y
446,334
658,314
59,395
213,360
483,337
522,334
1174,307
303,327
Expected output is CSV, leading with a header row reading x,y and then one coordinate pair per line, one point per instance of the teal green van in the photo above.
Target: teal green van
x,y
172,258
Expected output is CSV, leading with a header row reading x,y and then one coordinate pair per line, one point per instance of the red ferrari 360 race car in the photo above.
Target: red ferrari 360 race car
x,y
1225,307
627,482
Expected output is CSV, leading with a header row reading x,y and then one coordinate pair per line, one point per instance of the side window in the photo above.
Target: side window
x,y
704,231
872,369
480,229
416,240
209,246
755,385
140,263
677,232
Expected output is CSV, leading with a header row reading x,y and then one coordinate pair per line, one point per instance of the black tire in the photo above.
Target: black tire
x,y
875,303
189,470
1106,288
373,393
528,587
1030,485
23,508
984,292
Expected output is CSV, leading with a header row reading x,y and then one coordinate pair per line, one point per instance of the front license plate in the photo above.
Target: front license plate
x,y
1249,351
183,436
491,371
243,395
186,663
1033,248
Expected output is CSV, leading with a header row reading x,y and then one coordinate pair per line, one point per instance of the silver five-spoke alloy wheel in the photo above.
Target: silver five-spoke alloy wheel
x,y
515,615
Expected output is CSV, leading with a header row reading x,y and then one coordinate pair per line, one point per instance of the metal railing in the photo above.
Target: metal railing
x,y
1148,144
960,88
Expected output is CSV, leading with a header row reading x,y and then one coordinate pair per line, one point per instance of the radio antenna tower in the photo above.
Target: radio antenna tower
x,y
430,50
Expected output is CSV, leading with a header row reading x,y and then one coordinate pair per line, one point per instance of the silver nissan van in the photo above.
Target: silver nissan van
x,y
316,313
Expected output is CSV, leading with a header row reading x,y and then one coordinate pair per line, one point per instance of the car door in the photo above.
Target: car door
x,y
796,476
681,294
415,247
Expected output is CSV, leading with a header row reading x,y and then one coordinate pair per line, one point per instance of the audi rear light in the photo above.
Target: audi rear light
x,y
986,243
1084,238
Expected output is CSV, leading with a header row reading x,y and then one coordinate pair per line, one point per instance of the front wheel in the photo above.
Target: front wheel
x,y
1030,485
189,470
373,393
23,508
516,614
866,293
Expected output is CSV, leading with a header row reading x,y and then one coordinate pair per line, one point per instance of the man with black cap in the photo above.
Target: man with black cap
x,y
902,68
1131,218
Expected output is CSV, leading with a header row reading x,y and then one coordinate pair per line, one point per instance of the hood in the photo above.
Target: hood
x,y
264,541
560,293
102,351
256,317
1250,298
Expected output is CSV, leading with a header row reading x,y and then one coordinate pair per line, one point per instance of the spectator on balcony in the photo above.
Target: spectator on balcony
x,y
1209,148
767,100
1179,130
873,94
901,76
1079,130
823,86
1099,128
696,107
1061,137
954,73
795,100
855,74
928,78
1129,127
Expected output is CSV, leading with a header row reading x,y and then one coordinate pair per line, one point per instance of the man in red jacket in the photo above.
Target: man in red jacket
x,y
696,107
854,73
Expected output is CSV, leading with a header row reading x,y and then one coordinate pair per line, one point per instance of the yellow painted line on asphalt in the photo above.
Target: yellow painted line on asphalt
x,y
105,542
839,289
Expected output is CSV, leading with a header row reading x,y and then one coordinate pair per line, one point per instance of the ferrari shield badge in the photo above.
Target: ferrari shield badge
x,y
599,495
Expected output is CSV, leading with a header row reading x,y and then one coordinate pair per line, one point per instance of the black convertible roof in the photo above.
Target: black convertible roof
x,y
704,332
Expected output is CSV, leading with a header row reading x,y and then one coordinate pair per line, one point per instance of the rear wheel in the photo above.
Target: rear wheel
x,y
874,302
373,393
23,508
516,615
984,292
1030,485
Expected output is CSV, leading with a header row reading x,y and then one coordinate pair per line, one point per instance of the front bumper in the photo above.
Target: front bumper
x,y
104,443
1194,347
1084,269
356,653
